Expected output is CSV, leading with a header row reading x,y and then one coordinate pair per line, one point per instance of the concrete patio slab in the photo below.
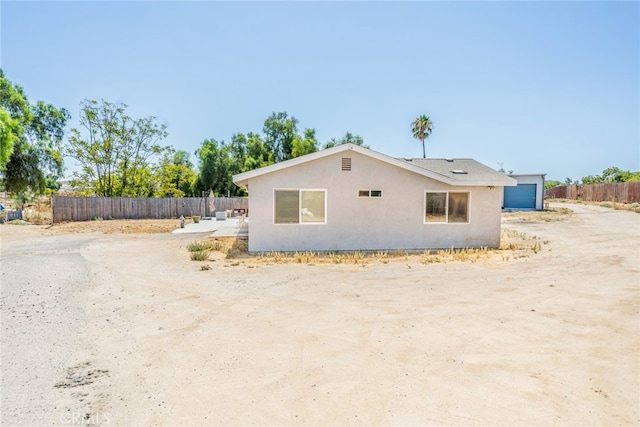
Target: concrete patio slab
x,y
225,228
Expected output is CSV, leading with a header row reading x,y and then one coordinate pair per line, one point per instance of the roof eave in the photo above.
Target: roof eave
x,y
242,179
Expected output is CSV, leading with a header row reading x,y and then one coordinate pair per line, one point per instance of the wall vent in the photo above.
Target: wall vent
x,y
346,163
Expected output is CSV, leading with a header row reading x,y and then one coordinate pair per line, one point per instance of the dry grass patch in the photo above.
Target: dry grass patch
x,y
450,255
117,226
549,215
514,245
633,207
230,247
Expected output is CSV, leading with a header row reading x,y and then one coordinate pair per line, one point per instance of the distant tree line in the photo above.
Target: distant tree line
x,y
120,155
609,175
280,140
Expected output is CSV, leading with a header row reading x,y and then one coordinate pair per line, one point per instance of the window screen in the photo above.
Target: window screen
x,y
299,206
436,207
312,206
287,205
447,207
458,207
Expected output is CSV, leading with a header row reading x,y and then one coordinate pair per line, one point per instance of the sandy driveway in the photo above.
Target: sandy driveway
x,y
125,330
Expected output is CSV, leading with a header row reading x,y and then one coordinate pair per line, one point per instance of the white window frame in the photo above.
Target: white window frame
x,y
446,208
369,194
300,222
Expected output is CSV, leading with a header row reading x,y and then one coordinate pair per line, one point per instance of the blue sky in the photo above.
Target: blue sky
x,y
539,87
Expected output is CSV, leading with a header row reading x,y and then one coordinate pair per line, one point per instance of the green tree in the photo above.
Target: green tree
x,y
306,144
219,161
258,153
116,152
551,184
238,152
9,134
612,174
280,131
215,168
615,174
421,128
31,137
176,174
348,138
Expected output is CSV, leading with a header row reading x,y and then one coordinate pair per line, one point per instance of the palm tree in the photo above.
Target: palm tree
x,y
421,128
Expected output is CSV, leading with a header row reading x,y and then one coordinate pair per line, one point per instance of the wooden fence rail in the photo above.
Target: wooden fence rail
x,y
89,208
619,192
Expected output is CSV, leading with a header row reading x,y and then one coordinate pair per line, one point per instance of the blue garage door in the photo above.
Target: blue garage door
x,y
523,196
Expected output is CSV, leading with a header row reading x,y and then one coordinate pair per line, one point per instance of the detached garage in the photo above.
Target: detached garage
x,y
528,194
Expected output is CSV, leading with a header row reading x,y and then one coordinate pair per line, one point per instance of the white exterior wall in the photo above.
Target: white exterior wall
x,y
537,179
395,221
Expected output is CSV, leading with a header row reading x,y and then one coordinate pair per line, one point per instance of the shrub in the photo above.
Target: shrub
x,y
199,255
198,247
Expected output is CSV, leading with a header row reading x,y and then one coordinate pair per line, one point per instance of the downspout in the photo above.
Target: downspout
x,y
544,191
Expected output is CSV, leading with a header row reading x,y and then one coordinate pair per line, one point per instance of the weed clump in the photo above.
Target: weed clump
x,y
199,255
198,247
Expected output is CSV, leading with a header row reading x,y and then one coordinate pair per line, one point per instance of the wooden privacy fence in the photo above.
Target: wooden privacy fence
x,y
619,192
90,208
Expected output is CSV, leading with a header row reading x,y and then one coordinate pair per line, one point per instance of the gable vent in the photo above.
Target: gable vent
x,y
346,163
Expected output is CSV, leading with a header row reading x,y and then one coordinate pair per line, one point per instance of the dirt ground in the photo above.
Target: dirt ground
x,y
110,323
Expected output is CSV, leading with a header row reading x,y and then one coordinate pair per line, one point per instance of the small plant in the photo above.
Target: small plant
x,y
357,256
399,254
198,247
199,255
335,258
238,248
217,246
605,204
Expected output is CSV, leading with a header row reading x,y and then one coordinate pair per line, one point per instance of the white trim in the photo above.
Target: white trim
x,y
242,179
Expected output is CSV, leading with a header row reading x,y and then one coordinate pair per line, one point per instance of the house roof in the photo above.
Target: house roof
x,y
449,171
463,171
528,174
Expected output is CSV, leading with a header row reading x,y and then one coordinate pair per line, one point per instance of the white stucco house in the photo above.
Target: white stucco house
x,y
350,198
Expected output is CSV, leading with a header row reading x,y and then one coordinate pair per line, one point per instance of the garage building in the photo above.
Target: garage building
x,y
528,194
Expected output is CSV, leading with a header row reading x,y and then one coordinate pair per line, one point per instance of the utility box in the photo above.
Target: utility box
x,y
221,216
